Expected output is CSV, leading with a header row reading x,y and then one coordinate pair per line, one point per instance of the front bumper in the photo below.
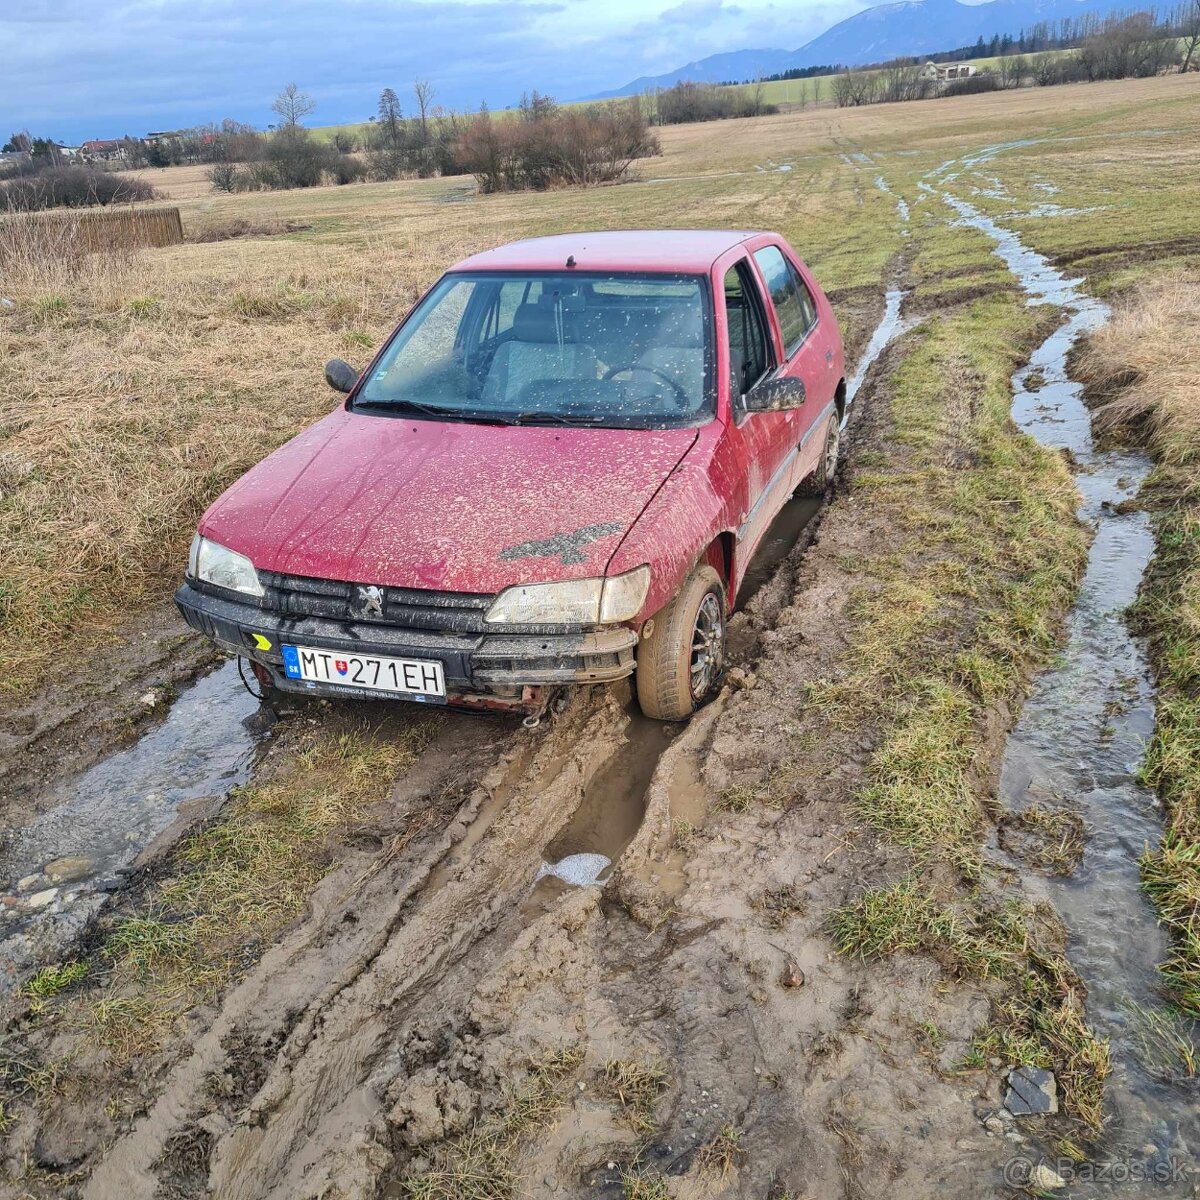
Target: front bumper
x,y
478,666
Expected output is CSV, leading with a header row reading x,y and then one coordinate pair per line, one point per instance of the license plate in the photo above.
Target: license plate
x,y
412,676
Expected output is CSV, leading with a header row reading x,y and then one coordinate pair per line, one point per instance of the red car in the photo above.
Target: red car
x,y
555,471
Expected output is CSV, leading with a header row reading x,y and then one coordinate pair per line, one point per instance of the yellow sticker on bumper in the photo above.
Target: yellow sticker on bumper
x,y
260,642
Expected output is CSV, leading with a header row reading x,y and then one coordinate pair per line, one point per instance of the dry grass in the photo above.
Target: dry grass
x,y
721,1153
49,258
1144,367
635,1087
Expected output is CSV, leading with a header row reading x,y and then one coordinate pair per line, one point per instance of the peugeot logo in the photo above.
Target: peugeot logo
x,y
368,601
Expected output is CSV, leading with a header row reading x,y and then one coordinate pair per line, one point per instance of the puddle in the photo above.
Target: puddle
x,y
203,747
901,203
1047,208
777,544
890,327
1082,734
614,802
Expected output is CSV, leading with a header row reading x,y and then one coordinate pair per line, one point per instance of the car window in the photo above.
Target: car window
x,y
749,355
793,302
611,349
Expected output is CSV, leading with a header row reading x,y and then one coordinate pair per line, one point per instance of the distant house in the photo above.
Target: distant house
x,y
945,72
102,149
68,151
163,135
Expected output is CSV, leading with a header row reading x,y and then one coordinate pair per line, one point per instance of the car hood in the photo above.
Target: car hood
x,y
444,505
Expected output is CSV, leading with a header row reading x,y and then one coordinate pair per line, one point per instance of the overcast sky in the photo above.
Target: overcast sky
x,y
74,69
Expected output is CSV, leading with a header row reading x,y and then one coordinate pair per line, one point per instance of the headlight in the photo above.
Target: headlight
x,y
579,602
222,567
624,595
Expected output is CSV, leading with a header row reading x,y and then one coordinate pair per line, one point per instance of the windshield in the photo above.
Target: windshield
x,y
618,350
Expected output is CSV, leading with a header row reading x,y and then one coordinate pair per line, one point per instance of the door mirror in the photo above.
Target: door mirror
x,y
775,395
340,376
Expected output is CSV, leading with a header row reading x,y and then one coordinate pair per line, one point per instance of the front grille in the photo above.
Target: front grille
x,y
407,608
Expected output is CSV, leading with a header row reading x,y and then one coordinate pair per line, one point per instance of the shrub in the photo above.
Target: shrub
x,y
687,102
70,187
223,176
576,146
985,81
347,169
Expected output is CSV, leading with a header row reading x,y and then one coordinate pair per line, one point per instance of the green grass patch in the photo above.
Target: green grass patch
x,y
944,629
49,981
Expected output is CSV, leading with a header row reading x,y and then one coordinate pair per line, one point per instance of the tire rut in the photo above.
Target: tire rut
x,y
333,986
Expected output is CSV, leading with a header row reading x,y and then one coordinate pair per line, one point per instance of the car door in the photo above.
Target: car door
x,y
766,441
794,311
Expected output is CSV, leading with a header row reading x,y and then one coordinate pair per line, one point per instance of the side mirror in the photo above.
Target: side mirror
x,y
340,376
776,395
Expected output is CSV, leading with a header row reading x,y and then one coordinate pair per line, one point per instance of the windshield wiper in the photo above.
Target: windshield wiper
x,y
450,412
553,418
430,410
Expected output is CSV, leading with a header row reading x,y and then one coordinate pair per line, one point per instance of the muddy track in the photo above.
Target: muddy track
x,y
381,941
426,977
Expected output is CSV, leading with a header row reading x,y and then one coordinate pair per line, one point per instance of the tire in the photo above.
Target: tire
x,y
821,477
668,686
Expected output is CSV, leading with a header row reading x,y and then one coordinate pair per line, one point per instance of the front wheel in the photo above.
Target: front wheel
x,y
679,664
819,480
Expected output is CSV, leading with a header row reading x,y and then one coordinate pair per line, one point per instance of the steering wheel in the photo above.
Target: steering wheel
x,y
681,396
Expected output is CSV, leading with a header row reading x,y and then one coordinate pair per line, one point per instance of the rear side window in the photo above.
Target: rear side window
x,y
793,302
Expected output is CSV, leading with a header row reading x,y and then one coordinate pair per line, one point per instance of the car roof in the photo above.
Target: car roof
x,y
688,251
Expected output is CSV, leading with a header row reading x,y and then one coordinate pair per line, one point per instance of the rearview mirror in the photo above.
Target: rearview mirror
x,y
775,395
340,376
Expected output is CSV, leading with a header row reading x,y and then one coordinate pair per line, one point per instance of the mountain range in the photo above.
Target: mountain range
x,y
908,27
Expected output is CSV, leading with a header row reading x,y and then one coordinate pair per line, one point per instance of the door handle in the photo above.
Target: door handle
x,y
829,358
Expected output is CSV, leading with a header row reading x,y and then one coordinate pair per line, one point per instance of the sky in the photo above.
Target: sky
x,y
77,69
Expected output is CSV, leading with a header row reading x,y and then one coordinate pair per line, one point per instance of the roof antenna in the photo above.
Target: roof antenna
x,y
570,260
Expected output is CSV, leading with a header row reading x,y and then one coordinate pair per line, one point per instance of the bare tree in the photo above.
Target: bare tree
x,y
1190,33
901,80
757,97
1012,70
802,99
389,118
292,106
1044,68
423,91
853,88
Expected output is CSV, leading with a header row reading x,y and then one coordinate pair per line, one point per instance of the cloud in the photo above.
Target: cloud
x,y
94,68
698,12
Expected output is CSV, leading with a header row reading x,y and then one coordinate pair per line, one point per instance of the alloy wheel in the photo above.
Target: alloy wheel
x,y
708,641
